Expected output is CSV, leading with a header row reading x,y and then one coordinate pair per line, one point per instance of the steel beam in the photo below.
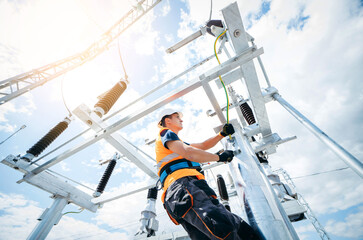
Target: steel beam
x,y
49,218
181,91
27,81
349,159
52,184
238,37
266,209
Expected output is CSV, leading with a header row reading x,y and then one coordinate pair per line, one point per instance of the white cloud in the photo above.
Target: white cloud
x,y
306,228
317,69
7,128
351,227
19,219
299,63
65,167
25,106
166,8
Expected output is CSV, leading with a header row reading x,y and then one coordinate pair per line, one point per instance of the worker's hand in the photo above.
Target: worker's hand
x,y
227,130
225,156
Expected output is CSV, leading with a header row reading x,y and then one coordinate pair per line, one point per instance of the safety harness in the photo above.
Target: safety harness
x,y
177,165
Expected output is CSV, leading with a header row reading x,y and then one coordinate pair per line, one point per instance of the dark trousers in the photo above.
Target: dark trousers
x,y
193,204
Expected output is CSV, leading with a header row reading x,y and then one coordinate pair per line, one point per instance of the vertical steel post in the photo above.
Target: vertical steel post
x,y
348,158
49,218
265,208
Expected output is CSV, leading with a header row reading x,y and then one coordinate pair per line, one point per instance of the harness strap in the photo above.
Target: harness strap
x,y
177,165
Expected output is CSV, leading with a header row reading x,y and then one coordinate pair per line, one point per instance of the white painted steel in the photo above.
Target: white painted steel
x,y
268,213
52,184
35,78
105,199
181,91
230,78
349,159
185,41
214,101
116,140
309,212
49,219
239,42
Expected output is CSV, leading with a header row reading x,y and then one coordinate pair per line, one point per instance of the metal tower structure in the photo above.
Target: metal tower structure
x,y
16,86
258,189
309,213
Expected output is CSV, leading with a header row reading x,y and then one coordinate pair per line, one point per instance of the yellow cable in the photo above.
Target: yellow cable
x,y
220,78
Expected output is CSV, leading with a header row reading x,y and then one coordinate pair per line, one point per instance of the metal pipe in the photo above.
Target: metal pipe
x,y
267,211
49,218
348,158
181,91
162,85
132,103
264,71
185,41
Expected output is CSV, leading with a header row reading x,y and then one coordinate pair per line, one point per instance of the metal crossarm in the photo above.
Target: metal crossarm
x,y
212,74
22,83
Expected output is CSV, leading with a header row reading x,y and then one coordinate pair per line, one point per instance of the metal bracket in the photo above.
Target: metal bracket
x,y
269,143
51,183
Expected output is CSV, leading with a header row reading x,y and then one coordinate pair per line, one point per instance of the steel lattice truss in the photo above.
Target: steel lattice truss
x,y
22,83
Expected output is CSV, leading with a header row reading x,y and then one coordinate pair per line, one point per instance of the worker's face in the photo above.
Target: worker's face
x,y
175,122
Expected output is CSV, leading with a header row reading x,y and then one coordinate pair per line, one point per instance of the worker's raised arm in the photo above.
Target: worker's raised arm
x,y
211,142
197,155
191,153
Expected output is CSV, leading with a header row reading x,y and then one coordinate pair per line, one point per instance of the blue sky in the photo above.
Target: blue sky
x,y
313,55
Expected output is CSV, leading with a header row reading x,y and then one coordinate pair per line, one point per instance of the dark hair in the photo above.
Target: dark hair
x,y
162,122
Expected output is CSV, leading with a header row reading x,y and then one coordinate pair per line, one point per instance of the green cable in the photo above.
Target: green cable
x,y
73,212
220,78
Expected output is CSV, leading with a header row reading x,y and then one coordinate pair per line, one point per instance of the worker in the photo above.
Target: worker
x,y
187,198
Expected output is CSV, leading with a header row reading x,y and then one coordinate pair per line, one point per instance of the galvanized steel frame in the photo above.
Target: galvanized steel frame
x,y
22,83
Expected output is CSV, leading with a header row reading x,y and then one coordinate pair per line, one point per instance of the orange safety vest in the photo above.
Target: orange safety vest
x,y
165,156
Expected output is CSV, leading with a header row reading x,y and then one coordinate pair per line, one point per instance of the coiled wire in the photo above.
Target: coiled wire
x,y
247,113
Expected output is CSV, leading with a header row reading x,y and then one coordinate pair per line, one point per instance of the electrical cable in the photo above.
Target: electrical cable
x,y
127,106
220,78
139,149
73,212
22,127
211,7
48,170
318,173
122,62
64,102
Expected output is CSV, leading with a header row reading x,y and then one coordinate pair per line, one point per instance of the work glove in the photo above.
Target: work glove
x,y
225,156
227,130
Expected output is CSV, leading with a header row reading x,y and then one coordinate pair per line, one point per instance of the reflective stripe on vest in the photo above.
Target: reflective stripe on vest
x,y
164,155
166,159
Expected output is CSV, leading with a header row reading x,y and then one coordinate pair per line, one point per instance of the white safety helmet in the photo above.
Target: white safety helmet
x,y
167,112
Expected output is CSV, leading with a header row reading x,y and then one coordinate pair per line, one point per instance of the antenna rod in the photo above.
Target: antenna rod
x,y
348,158
22,127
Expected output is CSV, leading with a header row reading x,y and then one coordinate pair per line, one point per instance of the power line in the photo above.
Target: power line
x,y
22,127
318,173
122,62
64,101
